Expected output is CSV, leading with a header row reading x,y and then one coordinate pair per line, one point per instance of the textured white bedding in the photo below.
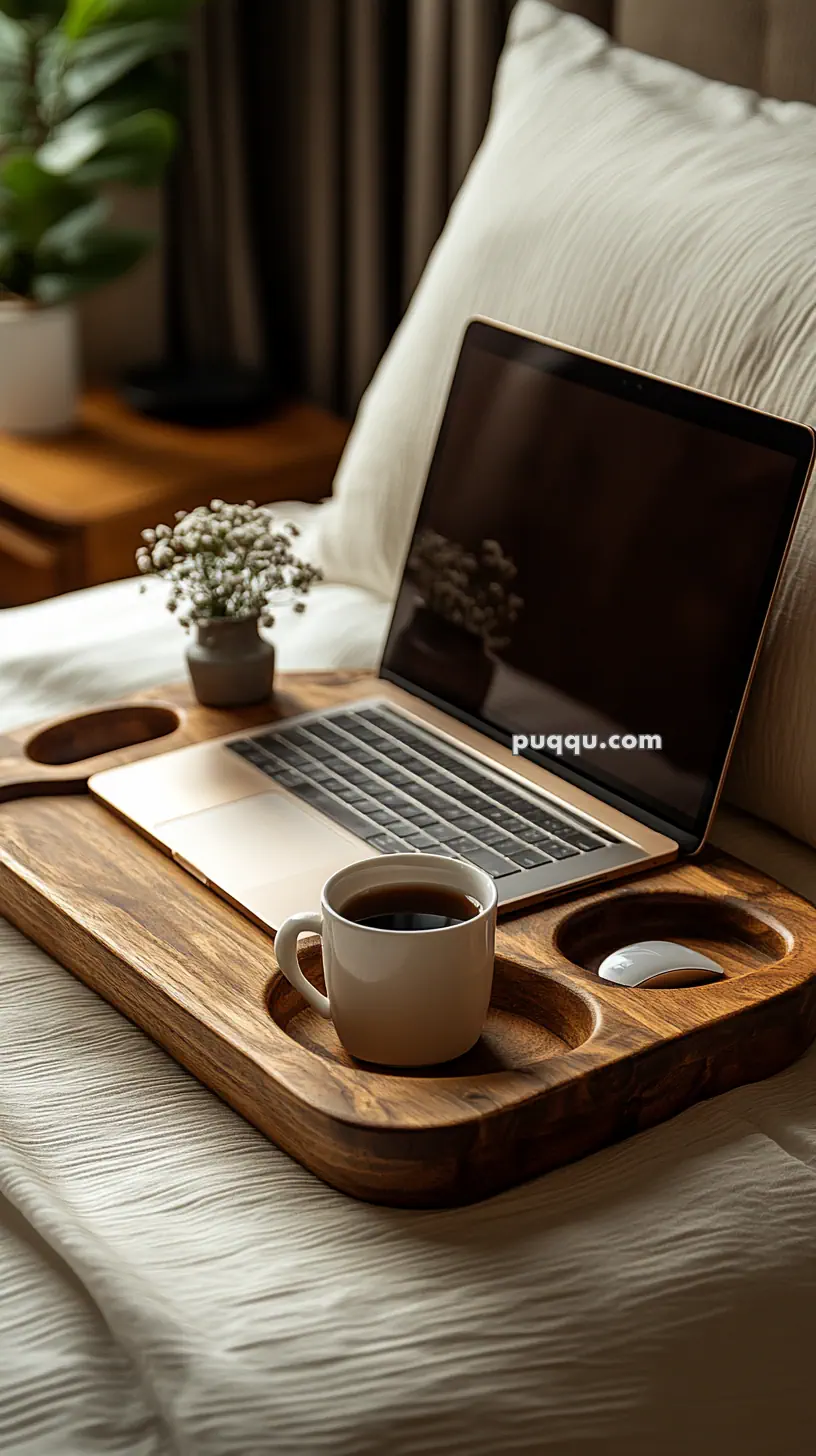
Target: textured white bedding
x,y
171,1282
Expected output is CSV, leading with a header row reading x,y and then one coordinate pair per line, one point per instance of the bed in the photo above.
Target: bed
x,y
171,1282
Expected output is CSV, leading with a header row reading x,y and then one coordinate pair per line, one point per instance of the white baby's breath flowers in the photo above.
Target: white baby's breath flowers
x,y
226,562
470,589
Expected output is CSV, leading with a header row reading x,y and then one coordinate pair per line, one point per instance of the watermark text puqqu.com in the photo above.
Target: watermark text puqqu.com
x,y
578,743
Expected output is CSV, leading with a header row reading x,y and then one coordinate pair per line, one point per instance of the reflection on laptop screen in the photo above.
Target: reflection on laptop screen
x,y
585,562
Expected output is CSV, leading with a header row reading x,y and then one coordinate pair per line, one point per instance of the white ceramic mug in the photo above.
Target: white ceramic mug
x,y
403,998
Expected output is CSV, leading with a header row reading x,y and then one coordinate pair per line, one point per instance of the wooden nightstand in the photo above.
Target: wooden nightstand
x,y
71,508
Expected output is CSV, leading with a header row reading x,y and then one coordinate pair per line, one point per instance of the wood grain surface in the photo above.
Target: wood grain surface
x,y
72,506
567,1064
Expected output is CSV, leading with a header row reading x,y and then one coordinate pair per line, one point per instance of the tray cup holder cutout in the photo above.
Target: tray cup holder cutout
x,y
738,936
91,734
532,1018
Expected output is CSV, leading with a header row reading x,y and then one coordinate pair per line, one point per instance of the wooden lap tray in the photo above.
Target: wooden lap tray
x,y
567,1064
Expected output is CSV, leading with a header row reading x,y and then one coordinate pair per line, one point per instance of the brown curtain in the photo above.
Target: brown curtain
x,y
326,140
212,283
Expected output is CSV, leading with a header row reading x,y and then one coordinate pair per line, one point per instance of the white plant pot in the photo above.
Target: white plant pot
x,y
39,368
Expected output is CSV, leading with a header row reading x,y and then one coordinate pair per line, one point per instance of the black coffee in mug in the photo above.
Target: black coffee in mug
x,y
410,907
398,999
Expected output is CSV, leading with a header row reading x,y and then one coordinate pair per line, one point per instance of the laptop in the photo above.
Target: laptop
x,y
581,607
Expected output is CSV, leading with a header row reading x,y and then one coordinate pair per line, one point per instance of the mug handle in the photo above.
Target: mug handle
x,y
286,944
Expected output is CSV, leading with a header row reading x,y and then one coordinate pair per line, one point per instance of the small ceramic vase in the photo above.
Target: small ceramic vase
x,y
230,664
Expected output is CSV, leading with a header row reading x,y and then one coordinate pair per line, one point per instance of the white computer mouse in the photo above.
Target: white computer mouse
x,y
658,963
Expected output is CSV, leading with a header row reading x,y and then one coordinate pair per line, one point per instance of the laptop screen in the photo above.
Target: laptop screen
x,y
593,560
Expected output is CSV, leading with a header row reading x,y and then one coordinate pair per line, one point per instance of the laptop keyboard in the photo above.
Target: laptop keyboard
x,y
398,788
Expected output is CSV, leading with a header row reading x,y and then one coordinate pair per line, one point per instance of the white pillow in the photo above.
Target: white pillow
x,y
634,209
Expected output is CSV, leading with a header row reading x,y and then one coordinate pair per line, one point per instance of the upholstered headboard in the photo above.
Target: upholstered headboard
x,y
769,45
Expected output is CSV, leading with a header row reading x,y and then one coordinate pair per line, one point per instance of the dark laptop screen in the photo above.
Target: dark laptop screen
x,y
594,556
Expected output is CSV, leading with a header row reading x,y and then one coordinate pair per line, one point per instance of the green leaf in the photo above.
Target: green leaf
x,y
105,142
136,153
103,57
13,44
83,15
11,133
151,86
14,85
32,200
67,238
102,257
75,140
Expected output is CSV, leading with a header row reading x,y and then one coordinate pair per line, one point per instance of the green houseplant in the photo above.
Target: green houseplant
x,y
88,98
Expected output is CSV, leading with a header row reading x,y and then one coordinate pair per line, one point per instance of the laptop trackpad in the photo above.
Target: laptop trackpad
x,y
267,851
